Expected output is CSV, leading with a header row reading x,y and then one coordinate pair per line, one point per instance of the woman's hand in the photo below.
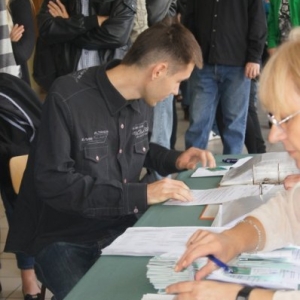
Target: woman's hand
x,y
203,243
204,290
17,32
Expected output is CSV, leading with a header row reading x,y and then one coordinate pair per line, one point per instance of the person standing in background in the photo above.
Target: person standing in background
x,y
232,36
17,41
85,33
283,16
150,12
22,33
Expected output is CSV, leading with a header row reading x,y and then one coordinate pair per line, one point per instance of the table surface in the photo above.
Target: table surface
x,y
124,277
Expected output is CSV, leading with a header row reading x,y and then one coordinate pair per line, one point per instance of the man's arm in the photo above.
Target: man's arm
x,y
257,31
114,32
58,29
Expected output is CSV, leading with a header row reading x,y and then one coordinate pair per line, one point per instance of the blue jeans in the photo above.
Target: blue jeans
x,y
163,124
209,86
61,265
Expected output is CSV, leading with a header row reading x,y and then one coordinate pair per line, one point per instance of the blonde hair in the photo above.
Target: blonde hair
x,y
281,74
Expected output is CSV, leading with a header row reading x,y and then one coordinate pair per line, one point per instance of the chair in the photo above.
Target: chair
x,y
17,165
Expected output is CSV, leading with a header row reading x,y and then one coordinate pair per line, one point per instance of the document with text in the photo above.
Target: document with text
x,y
223,194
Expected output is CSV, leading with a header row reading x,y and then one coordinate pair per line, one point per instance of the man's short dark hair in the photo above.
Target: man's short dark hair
x,y
166,40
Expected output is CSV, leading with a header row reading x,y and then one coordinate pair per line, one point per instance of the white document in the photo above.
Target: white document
x,y
223,194
211,172
158,297
151,241
220,170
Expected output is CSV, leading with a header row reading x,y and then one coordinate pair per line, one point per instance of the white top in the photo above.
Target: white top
x,y
281,220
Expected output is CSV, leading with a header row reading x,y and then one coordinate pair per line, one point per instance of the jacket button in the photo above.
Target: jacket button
x,y
97,158
144,149
135,210
125,180
122,126
120,151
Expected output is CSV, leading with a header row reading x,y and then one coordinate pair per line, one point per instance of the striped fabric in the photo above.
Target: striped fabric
x,y
7,60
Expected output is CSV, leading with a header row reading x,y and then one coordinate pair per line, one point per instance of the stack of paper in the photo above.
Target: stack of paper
x,y
279,269
151,241
161,271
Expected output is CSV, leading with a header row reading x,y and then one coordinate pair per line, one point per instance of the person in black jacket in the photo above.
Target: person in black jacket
x,y
85,33
20,110
22,33
81,188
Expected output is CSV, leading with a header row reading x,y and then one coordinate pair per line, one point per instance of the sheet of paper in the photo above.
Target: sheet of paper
x,y
151,241
209,212
158,297
223,194
211,172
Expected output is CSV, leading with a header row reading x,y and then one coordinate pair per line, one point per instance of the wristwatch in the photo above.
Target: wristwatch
x,y
244,293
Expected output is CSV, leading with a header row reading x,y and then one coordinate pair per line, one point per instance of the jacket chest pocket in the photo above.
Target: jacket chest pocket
x,y
96,161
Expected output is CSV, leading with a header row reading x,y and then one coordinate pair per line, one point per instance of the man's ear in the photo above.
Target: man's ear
x,y
158,70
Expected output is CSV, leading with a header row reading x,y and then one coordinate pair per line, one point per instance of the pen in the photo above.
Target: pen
x,y
219,263
230,160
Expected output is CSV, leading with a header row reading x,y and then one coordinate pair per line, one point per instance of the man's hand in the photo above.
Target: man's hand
x,y
101,19
57,9
271,51
252,70
192,156
16,33
204,290
165,189
290,181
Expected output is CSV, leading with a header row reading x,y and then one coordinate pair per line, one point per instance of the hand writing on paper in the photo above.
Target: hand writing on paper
x,y
167,188
203,243
192,156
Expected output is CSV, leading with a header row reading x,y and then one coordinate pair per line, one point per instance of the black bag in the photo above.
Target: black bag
x,y
44,70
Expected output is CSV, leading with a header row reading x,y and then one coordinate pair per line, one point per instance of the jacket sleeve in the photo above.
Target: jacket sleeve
x,y
272,26
257,31
58,182
157,10
161,159
21,12
59,30
114,32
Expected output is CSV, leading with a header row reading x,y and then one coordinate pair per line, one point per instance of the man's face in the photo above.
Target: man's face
x,y
165,83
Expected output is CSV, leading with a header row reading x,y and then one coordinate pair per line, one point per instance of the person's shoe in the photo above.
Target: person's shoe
x,y
32,297
213,136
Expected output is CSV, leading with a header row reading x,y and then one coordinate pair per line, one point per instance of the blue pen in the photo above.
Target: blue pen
x,y
230,160
219,263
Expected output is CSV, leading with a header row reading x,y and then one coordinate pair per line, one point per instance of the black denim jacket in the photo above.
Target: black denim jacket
x,y
83,174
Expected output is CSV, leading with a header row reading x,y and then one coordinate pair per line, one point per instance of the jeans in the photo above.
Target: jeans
x,y
209,86
61,265
254,140
24,261
163,124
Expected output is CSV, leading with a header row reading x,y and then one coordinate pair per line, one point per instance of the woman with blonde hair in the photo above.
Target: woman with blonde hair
x,y
273,225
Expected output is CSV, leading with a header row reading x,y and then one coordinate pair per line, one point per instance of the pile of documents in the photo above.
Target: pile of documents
x,y
279,269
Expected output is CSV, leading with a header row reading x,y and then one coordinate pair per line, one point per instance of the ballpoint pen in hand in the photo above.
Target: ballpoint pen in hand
x,y
219,263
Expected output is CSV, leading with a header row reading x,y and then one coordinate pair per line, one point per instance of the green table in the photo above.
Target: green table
x,y
124,277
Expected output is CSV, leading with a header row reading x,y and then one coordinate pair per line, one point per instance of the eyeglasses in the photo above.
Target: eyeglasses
x,y
278,123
